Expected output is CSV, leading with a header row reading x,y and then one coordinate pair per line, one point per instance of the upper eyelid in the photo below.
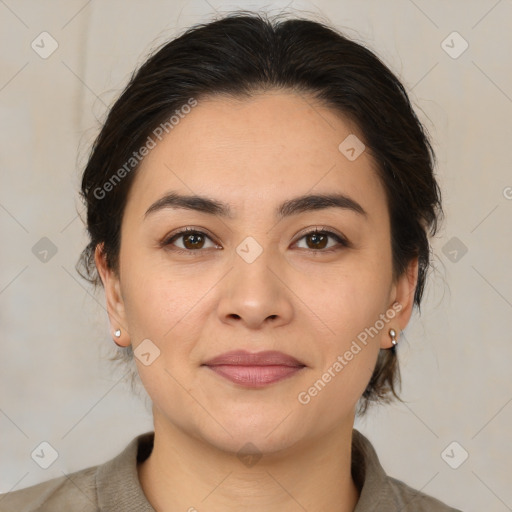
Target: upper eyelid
x,y
186,231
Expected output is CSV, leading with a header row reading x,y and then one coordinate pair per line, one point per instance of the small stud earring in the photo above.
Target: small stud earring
x,y
392,333
117,333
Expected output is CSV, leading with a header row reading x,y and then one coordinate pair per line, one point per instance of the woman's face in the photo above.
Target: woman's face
x,y
255,280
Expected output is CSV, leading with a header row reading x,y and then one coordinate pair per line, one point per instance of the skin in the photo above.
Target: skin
x,y
254,154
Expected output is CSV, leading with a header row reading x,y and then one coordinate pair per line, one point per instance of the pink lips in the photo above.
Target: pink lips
x,y
254,369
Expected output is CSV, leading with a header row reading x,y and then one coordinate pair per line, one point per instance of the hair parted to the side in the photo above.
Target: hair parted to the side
x,y
245,53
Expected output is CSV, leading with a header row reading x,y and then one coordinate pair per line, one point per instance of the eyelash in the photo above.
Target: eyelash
x,y
187,231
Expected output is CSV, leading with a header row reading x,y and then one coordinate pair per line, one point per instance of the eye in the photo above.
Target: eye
x,y
317,240
192,240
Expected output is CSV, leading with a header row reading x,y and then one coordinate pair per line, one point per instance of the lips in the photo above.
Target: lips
x,y
254,369
243,358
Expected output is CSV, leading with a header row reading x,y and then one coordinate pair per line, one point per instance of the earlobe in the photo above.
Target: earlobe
x,y
402,302
113,298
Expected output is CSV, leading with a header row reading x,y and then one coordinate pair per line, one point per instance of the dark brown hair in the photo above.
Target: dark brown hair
x,y
244,53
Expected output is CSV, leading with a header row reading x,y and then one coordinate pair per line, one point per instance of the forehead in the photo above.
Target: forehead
x,y
253,151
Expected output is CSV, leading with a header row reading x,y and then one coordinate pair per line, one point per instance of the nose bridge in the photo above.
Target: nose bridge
x,y
252,267
254,292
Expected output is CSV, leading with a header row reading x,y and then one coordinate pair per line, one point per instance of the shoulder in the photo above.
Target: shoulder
x,y
379,491
413,500
76,491
109,487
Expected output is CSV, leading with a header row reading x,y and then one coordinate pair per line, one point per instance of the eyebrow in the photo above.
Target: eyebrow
x,y
288,208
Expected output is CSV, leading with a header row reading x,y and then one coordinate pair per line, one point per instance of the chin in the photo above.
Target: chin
x,y
249,441
234,427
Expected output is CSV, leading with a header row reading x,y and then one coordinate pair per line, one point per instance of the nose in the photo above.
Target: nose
x,y
256,294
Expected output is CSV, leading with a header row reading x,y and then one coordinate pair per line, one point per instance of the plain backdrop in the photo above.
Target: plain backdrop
x,y
57,385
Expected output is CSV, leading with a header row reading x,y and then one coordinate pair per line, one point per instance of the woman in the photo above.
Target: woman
x,y
259,202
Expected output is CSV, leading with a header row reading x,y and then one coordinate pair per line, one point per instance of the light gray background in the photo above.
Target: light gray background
x,y
56,384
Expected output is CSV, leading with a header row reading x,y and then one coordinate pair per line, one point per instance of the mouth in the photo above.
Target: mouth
x,y
254,370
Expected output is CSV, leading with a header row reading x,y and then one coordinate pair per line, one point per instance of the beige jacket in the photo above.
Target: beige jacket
x,y
114,486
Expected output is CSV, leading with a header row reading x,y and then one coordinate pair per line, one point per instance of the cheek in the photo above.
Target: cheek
x,y
351,298
352,307
348,356
156,298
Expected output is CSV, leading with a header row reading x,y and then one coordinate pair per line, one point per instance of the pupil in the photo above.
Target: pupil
x,y
316,237
195,237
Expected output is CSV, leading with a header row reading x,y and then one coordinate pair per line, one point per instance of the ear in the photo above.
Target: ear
x,y
402,301
114,300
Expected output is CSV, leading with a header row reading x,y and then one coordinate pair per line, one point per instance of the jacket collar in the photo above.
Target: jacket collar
x,y
119,488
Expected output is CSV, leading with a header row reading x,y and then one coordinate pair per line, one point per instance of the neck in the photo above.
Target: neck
x,y
186,473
